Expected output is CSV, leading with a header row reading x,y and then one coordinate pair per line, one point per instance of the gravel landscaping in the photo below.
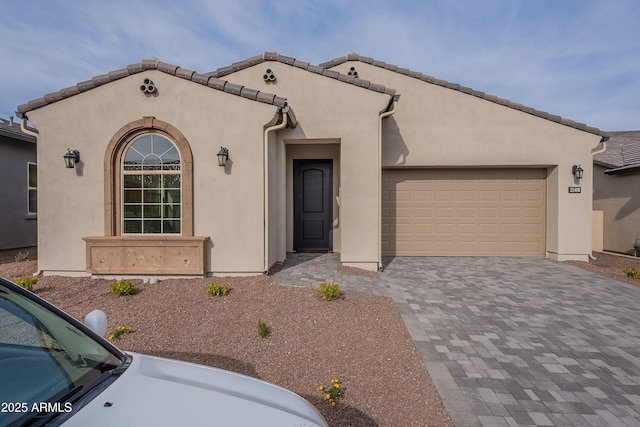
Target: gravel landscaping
x,y
359,339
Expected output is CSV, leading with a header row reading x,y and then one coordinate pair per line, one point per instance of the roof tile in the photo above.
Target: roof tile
x,y
86,85
233,88
355,57
184,73
216,83
209,79
167,68
246,92
200,78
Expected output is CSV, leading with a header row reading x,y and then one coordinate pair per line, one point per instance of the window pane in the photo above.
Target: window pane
x,y
132,226
152,181
151,196
151,211
132,181
132,196
171,226
33,175
171,211
172,196
33,201
152,226
171,181
151,200
133,211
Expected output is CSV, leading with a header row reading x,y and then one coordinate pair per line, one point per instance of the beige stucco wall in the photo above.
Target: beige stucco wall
x,y
617,197
228,203
329,111
439,127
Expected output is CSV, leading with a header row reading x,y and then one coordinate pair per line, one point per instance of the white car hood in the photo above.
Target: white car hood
x,y
161,392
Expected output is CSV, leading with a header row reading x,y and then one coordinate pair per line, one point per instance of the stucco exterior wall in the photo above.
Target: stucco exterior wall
x,y
228,203
440,127
18,228
617,196
327,109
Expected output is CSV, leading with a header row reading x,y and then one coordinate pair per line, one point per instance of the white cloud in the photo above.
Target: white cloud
x,y
575,58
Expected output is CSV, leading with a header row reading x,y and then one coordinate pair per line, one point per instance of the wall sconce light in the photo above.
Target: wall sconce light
x,y
577,172
223,156
71,158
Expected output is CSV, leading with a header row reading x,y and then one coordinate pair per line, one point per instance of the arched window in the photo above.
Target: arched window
x,y
151,186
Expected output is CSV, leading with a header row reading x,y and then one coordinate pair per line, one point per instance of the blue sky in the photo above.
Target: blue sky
x,y
579,59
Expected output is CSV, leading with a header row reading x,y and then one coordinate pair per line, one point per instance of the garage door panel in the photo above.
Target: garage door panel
x,y
433,212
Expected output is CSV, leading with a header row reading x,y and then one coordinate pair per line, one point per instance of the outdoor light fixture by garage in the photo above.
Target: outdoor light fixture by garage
x,y
71,158
577,172
223,156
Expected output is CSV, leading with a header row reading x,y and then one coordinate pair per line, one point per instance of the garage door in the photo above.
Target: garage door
x,y
455,212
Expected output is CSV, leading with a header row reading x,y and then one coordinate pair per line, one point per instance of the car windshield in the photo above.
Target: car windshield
x,y
43,357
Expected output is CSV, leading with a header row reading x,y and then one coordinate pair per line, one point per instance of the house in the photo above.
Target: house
x,y
354,156
615,191
18,173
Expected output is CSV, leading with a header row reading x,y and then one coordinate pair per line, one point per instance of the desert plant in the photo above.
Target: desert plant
x,y
26,282
118,332
333,393
328,291
263,330
216,290
633,272
22,256
122,287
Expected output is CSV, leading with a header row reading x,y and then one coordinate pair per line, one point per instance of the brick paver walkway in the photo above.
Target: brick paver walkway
x,y
510,341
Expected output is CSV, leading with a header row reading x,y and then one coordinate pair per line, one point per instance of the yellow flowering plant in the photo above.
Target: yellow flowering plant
x,y
26,282
122,287
328,291
332,393
118,332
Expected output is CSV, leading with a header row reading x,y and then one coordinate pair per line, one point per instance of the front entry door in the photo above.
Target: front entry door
x,y
312,205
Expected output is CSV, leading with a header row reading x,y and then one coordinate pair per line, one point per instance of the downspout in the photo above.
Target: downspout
x,y
391,108
603,142
24,129
283,113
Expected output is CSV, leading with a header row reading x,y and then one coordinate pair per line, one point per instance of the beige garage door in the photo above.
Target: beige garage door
x,y
449,212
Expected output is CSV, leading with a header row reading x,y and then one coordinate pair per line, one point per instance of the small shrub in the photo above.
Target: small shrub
x,y
122,287
216,290
263,330
634,273
118,332
22,256
333,393
26,282
328,291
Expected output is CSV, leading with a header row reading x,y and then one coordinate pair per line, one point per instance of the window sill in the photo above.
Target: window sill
x,y
31,216
150,254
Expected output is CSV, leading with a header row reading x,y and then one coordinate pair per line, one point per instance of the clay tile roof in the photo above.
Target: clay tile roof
x,y
622,153
11,129
356,57
317,69
153,64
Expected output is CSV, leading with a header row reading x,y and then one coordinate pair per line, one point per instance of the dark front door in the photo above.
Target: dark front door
x,y
312,205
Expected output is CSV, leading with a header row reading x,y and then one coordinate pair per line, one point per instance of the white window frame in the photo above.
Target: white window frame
x,y
31,188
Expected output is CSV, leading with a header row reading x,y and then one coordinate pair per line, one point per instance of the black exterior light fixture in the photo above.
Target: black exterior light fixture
x,y
577,172
223,156
71,158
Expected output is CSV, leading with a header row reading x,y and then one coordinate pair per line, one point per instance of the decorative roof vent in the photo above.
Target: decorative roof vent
x,y
148,87
353,72
269,77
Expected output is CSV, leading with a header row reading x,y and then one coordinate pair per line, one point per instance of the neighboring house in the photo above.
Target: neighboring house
x,y
616,191
18,174
336,161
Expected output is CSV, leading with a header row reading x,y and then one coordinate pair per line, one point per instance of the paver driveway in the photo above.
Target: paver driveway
x,y
511,341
